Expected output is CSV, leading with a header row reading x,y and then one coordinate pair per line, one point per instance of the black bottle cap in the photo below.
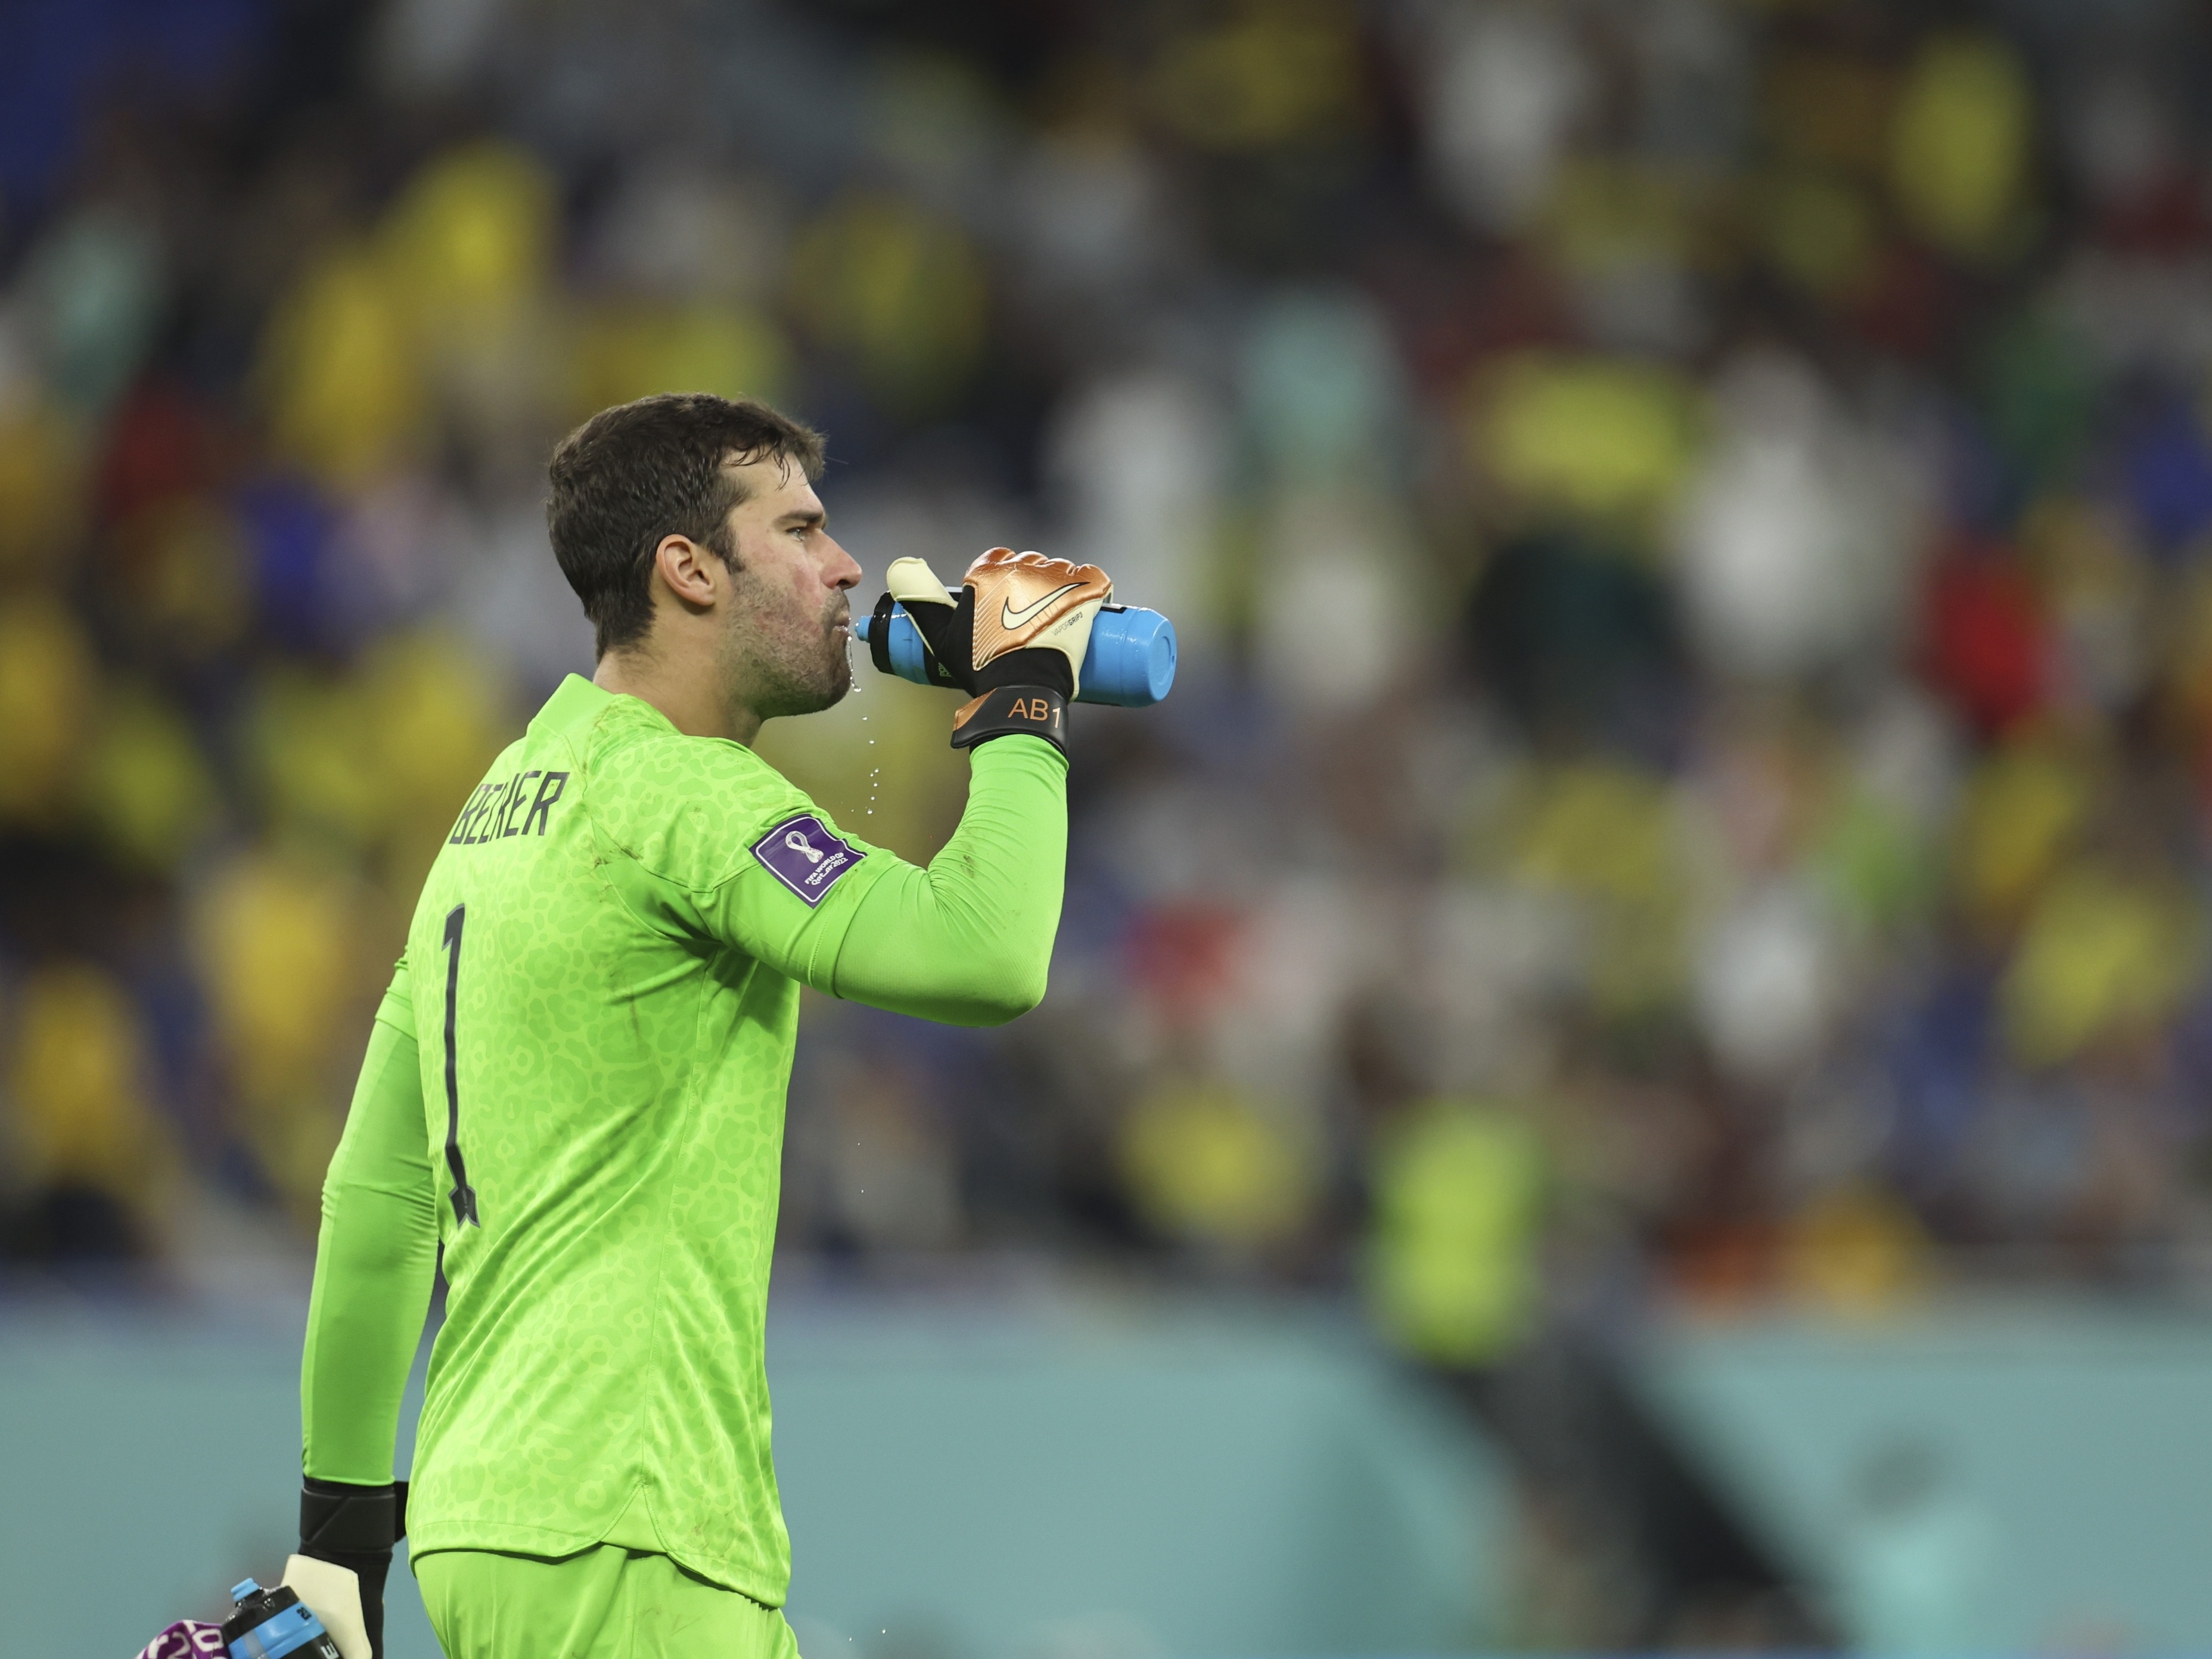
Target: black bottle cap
x,y
256,1608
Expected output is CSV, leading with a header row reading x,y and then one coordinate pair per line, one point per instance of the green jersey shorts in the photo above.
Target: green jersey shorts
x,y
605,1603
573,1099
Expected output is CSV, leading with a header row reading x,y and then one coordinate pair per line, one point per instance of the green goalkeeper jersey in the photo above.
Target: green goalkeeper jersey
x,y
576,1087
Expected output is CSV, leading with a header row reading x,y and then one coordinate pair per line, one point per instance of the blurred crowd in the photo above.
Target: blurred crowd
x,y
1688,521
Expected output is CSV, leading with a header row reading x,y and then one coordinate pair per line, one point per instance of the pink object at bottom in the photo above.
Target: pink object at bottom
x,y
187,1638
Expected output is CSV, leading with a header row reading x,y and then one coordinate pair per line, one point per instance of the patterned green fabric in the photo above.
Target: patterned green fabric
x,y
606,1603
600,997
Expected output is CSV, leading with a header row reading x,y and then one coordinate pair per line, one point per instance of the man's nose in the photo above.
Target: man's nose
x,y
844,571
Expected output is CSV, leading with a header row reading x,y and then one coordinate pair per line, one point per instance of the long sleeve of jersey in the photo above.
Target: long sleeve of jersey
x,y
375,1260
703,840
967,941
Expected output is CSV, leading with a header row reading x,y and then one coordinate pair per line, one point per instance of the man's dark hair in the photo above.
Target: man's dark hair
x,y
639,472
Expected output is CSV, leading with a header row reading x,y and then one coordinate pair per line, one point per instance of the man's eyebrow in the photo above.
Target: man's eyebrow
x,y
814,515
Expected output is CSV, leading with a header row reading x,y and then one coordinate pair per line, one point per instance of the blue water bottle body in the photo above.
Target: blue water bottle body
x,y
1130,663
273,1624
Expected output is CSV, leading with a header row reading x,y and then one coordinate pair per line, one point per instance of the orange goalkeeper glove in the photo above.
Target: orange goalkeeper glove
x,y
1012,637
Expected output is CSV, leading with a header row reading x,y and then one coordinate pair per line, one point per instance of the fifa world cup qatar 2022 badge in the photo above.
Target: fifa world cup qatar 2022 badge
x,y
804,854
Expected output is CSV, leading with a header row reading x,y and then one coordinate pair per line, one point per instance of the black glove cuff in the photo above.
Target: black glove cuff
x,y
1037,710
336,1519
355,1527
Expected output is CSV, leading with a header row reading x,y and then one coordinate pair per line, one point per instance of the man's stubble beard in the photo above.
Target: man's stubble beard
x,y
785,665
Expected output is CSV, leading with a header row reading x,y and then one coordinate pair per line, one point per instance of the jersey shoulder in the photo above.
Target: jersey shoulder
x,y
687,808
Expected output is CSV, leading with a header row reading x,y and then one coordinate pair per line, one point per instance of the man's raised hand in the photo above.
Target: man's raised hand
x,y
1013,637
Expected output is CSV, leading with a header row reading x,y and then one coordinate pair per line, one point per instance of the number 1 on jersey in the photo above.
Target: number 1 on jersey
x,y
464,1196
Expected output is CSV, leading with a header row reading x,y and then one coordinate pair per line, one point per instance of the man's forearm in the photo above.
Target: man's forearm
x,y
375,1260
968,940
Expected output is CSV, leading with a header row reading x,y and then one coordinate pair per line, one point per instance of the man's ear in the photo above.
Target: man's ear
x,y
691,572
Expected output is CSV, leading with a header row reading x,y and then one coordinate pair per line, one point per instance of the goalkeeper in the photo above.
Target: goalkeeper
x,y
575,1086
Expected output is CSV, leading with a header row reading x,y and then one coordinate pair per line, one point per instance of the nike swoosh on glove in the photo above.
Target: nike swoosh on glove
x,y
1013,637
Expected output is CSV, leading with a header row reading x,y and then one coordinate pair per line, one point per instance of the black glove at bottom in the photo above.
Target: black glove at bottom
x,y
1038,710
356,1528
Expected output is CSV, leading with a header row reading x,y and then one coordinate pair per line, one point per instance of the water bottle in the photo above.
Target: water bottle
x,y
270,1623
1130,663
